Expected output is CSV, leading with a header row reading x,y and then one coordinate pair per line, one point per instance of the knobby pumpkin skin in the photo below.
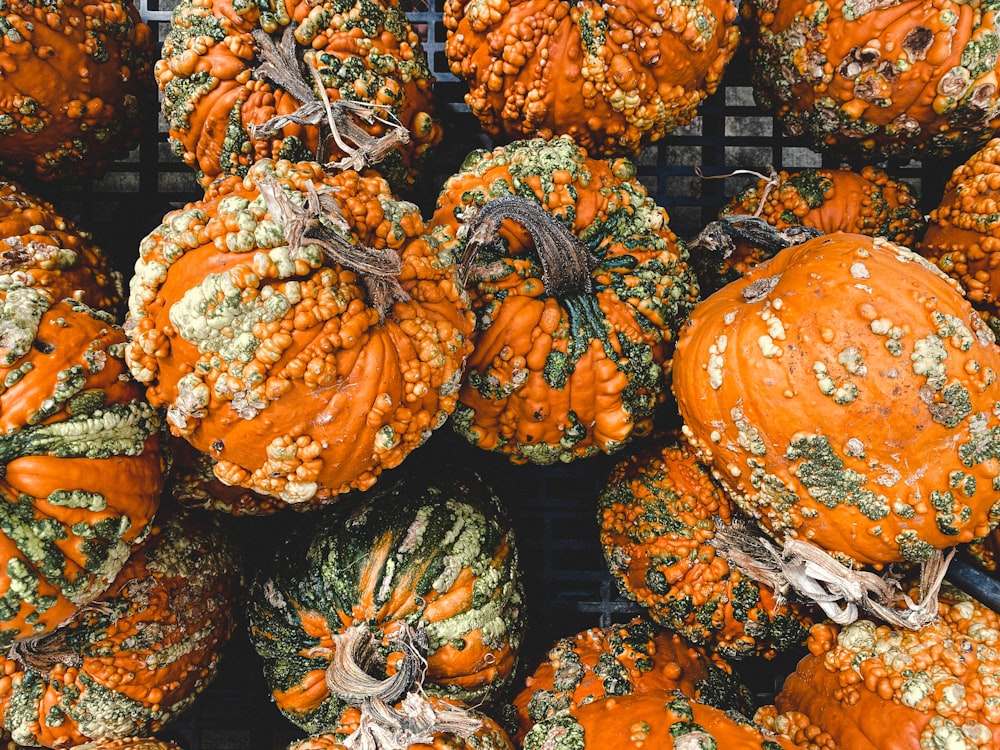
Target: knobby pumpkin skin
x,y
866,201
878,80
605,665
658,514
963,231
127,743
273,361
559,376
666,720
81,459
436,552
615,78
138,657
216,90
933,687
489,736
845,393
41,246
76,86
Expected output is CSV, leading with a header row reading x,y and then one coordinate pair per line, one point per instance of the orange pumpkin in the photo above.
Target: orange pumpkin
x,y
615,78
606,665
963,231
878,80
866,201
299,329
239,79
932,687
578,286
658,515
76,85
81,469
845,394
41,246
140,653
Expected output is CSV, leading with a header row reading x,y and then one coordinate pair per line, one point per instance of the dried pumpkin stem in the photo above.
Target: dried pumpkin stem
x,y
566,262
42,653
319,221
770,179
842,593
280,64
721,236
381,726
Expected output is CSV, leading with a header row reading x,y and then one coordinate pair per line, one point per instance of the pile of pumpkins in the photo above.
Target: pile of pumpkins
x,y
803,400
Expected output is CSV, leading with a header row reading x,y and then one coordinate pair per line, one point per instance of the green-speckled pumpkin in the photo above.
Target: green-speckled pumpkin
x,y
136,658
847,394
437,554
80,469
658,516
578,291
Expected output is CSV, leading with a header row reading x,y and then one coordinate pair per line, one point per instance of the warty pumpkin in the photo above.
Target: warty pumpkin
x,y
136,658
657,515
41,246
619,661
963,230
299,329
246,81
800,205
76,86
614,77
865,201
845,395
878,80
578,286
82,472
429,551
932,687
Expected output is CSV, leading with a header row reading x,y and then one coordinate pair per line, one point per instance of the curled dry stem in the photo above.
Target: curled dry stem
x,y
566,262
841,593
382,725
770,181
319,221
43,652
280,65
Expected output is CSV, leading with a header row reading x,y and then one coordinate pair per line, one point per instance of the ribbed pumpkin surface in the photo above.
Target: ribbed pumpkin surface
x,y
559,375
272,359
437,553
80,454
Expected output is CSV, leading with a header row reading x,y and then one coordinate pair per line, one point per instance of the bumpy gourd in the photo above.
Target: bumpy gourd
x,y
628,686
878,80
614,77
933,687
136,658
76,85
80,456
866,201
298,377
963,230
618,661
658,514
228,68
574,329
42,247
435,552
845,394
